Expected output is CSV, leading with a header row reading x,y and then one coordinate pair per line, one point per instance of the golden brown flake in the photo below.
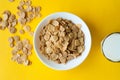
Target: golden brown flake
x,y
22,31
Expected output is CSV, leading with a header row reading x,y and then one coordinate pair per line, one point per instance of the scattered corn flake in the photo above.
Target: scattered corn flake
x,y
31,33
11,45
22,21
10,39
21,31
26,62
25,41
19,60
24,50
4,24
27,28
12,17
28,46
5,17
29,53
19,45
24,57
7,12
11,0
14,51
21,3
14,57
22,14
28,2
16,38
12,30
14,23
29,8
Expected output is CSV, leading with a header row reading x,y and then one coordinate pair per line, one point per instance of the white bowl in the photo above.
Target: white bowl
x,y
73,63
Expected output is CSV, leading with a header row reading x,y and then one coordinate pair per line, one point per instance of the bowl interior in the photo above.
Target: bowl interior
x,y
73,63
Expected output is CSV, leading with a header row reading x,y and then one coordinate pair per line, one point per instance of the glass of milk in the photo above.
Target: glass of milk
x,y
111,47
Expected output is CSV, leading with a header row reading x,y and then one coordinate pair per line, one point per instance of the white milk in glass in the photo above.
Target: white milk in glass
x,y
111,47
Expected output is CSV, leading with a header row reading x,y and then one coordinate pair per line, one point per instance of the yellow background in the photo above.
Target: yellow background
x,y
102,18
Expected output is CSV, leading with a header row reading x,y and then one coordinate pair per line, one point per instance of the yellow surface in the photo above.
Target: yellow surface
x,y
101,16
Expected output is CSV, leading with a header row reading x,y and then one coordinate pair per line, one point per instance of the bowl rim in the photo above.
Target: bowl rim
x,y
36,46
